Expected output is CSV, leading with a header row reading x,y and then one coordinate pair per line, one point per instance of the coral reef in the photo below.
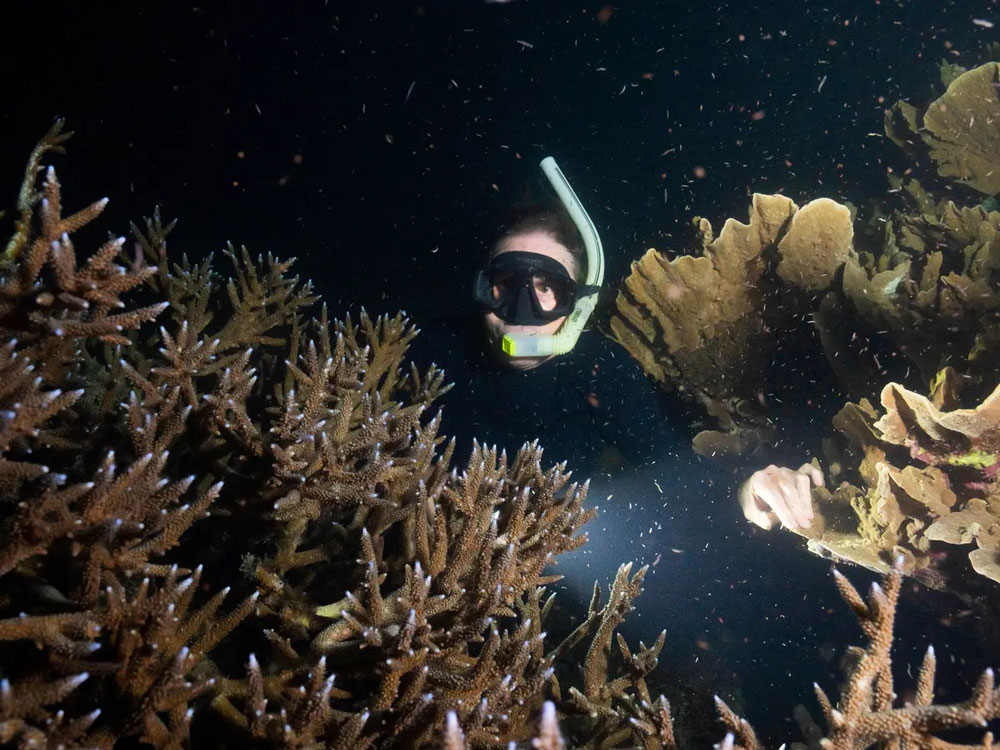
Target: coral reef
x,y
957,130
243,528
926,294
910,305
927,472
703,323
923,287
918,287
866,713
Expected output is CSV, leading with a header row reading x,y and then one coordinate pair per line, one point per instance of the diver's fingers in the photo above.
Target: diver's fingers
x,y
803,504
814,474
762,518
753,510
771,495
788,485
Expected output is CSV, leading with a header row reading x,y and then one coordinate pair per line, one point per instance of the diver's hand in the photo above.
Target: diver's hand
x,y
780,494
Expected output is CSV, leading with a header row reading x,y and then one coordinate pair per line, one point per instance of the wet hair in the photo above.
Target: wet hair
x,y
550,218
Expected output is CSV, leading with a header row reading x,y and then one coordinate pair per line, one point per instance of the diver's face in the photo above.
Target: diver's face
x,y
496,329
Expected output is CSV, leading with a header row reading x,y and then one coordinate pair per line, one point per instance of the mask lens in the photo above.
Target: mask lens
x,y
503,285
552,292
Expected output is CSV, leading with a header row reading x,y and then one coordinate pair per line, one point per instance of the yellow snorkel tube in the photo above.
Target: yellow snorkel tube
x,y
563,340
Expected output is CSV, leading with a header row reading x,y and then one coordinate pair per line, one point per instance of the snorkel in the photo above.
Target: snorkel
x,y
563,340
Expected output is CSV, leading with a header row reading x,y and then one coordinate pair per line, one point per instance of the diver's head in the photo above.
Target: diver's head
x,y
528,285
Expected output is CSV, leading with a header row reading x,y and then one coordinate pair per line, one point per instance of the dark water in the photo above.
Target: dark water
x,y
377,142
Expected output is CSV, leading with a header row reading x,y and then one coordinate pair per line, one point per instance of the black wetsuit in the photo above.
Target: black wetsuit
x,y
592,407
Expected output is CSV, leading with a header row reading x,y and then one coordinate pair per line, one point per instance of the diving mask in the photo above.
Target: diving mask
x,y
525,288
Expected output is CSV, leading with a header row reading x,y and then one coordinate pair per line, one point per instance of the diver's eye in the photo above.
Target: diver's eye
x,y
501,284
545,293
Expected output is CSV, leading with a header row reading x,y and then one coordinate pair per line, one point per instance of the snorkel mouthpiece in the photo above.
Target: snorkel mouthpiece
x,y
527,345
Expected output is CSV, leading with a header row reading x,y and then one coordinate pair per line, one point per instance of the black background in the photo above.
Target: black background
x,y
394,196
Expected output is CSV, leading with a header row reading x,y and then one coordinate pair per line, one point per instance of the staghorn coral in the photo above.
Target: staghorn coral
x,y
548,737
79,522
702,323
926,473
25,409
28,196
866,713
245,448
49,303
611,710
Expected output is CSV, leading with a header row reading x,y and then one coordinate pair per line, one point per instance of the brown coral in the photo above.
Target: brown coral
x,y
946,491
144,471
930,291
701,322
139,466
959,128
866,713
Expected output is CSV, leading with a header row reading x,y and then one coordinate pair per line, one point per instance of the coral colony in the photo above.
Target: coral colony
x,y
230,520
923,281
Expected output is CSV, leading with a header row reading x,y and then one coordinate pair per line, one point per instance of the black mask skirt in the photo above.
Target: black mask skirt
x,y
525,288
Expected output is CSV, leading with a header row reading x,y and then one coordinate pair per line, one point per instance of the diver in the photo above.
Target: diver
x,y
526,368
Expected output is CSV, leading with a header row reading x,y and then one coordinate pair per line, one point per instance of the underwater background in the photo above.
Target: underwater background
x,y
378,142
296,127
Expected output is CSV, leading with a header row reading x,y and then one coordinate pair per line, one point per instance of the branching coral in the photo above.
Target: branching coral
x,y
618,709
246,449
82,526
28,196
866,714
242,526
47,301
